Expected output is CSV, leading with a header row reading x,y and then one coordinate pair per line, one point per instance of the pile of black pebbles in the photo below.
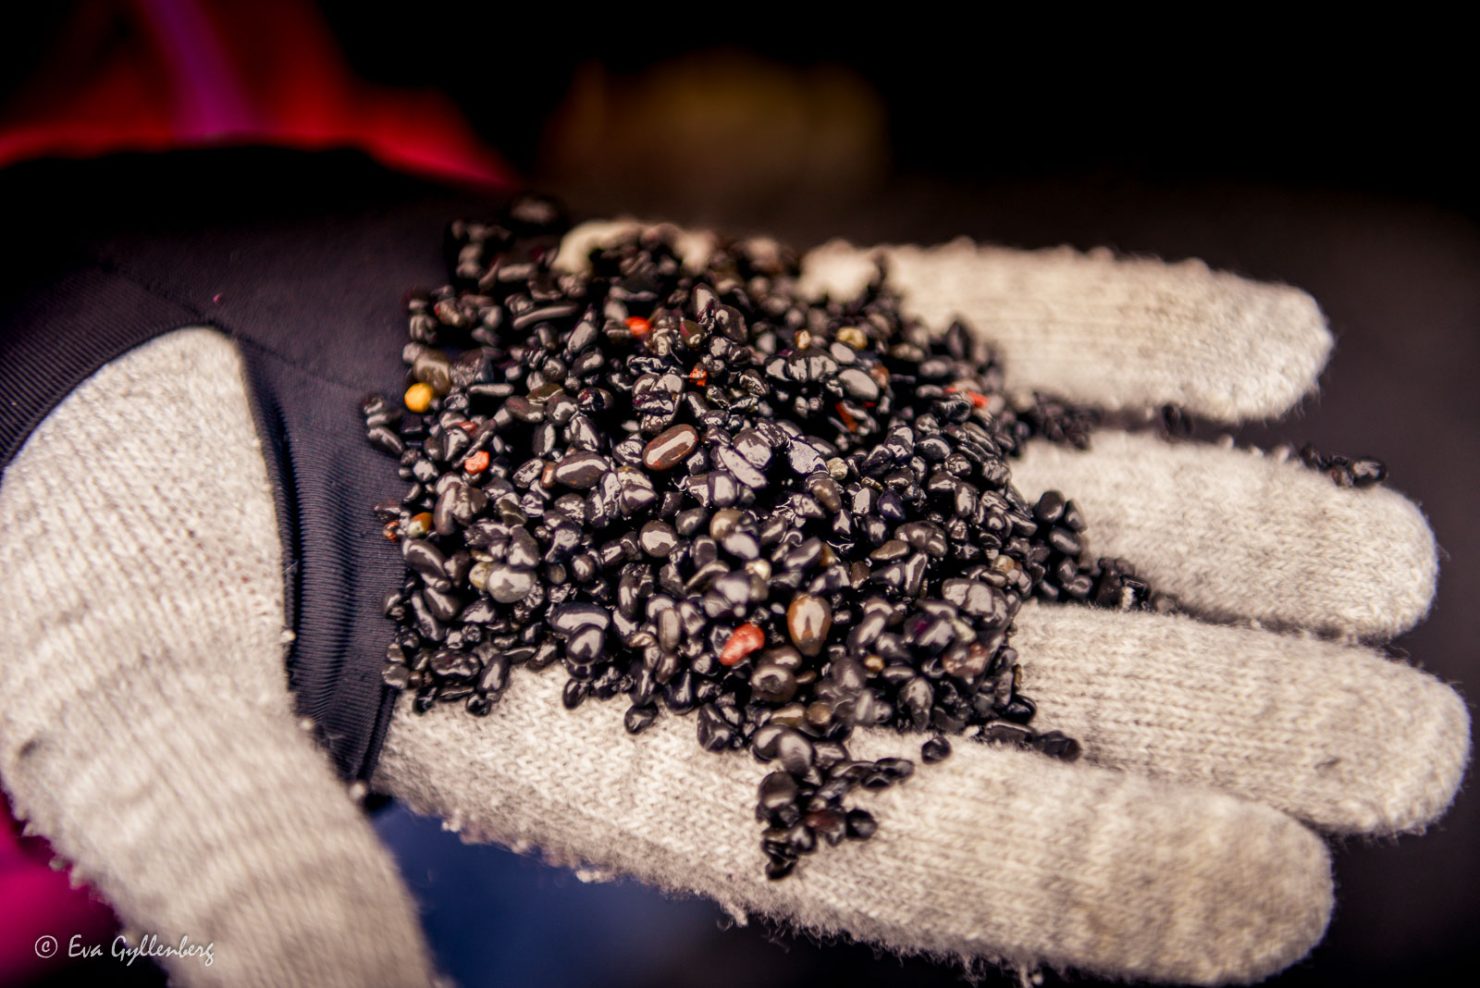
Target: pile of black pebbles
x,y
707,494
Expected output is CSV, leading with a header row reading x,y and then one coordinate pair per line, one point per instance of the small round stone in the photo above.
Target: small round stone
x,y
657,539
861,824
723,524
935,750
418,397
507,585
773,683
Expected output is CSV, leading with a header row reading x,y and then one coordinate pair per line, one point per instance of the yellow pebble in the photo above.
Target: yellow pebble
x,y
419,397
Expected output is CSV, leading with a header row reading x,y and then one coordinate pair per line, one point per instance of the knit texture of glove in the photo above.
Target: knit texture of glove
x,y
147,729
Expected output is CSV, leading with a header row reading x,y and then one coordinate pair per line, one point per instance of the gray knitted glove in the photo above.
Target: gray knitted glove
x,y
143,646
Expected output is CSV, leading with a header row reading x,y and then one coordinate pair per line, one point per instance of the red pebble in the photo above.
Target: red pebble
x,y
639,326
476,463
742,641
699,376
978,400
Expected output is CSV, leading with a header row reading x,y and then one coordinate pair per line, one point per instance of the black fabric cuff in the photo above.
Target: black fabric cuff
x,y
55,336
325,475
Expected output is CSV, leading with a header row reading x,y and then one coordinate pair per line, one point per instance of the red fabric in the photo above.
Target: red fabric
x,y
152,74
143,75
38,901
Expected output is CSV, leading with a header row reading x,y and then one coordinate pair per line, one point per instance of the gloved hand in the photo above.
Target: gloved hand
x,y
147,727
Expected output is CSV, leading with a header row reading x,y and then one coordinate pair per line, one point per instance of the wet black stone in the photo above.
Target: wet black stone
x,y
715,732
495,674
778,868
1002,732
720,489
773,683
750,444
425,558
658,539
858,384
1065,541
861,824
670,448
508,585
778,790
1057,745
523,551
639,718
580,470
1050,508
976,598
915,699
567,619
803,458
523,410
934,750
574,693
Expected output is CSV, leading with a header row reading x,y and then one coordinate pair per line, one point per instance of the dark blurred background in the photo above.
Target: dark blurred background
x,y
1343,165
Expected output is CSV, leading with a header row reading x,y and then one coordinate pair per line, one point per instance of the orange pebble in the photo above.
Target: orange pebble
x,y
419,397
639,326
742,641
699,376
476,463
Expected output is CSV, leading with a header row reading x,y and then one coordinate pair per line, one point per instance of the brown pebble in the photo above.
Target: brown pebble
x,y
807,621
669,448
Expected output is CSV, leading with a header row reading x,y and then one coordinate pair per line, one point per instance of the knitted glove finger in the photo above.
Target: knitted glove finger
x,y
145,722
1239,535
1338,736
1104,330
993,852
